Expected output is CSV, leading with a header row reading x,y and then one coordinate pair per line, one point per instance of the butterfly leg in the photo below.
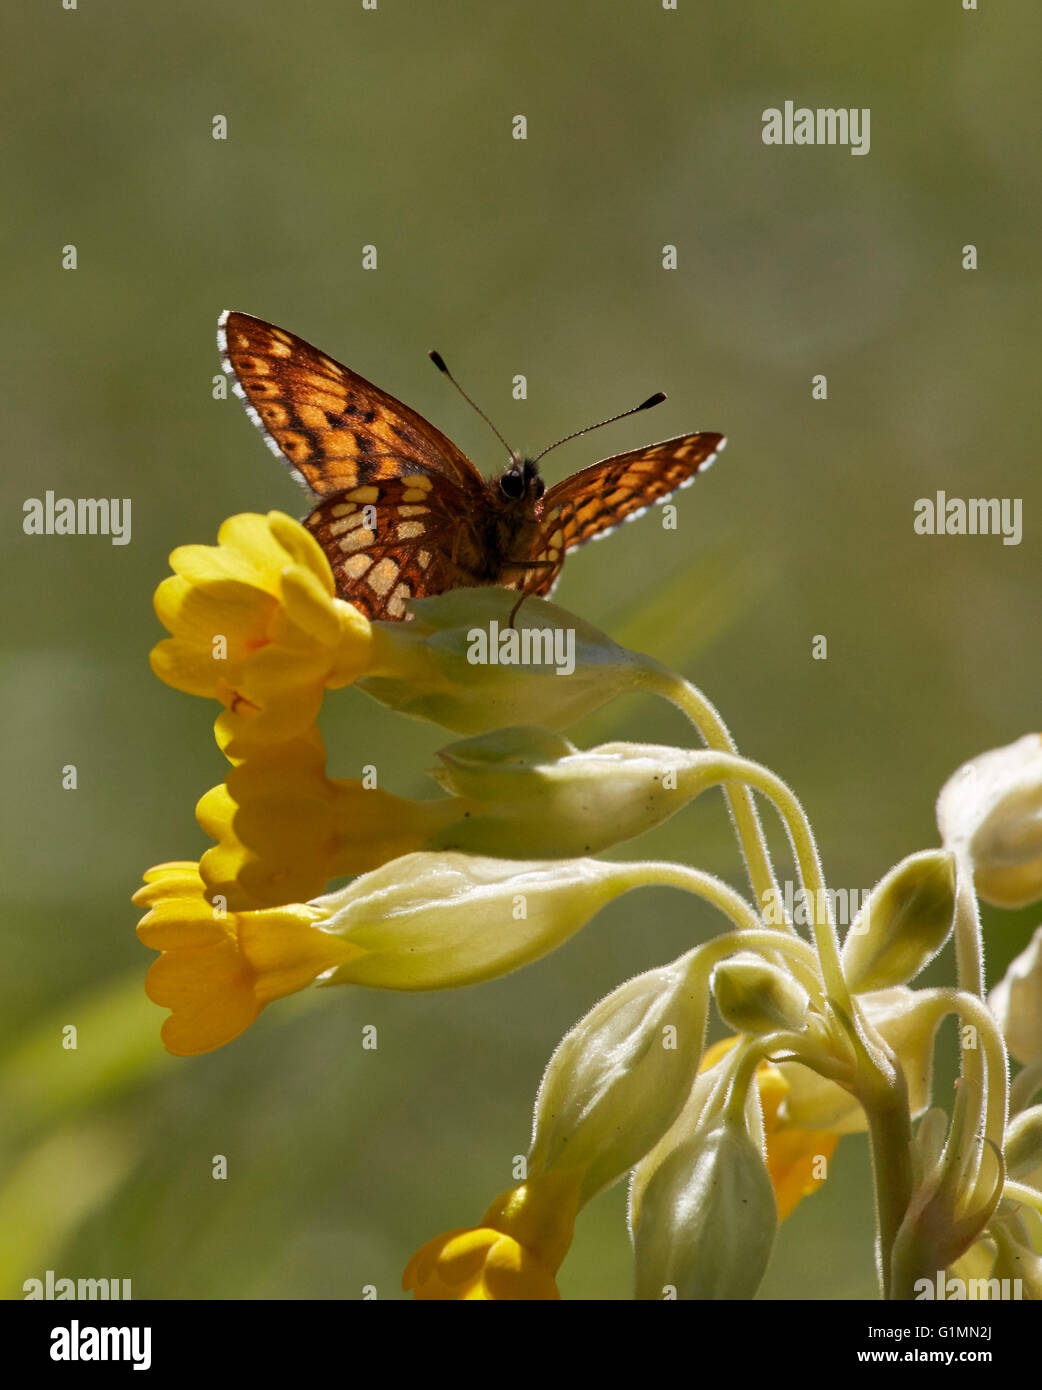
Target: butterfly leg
x,y
525,589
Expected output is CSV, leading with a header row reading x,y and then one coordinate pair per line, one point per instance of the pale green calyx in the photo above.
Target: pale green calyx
x,y
532,789
756,997
433,920
1016,1002
549,668
991,809
707,1218
620,1077
904,923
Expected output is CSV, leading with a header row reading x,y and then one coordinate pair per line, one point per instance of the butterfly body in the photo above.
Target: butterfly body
x,y
401,512
504,525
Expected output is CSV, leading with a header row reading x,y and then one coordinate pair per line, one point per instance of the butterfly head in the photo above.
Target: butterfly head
x,y
521,481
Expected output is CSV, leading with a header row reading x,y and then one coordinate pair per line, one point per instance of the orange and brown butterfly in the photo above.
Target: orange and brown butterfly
x,y
401,512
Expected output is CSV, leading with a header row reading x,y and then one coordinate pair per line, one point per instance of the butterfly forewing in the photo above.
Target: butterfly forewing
x,y
594,501
336,430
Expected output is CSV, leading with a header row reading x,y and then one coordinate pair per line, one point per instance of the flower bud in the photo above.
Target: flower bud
x,y
620,1077
707,1218
558,669
904,923
430,921
537,794
1016,1001
992,807
754,996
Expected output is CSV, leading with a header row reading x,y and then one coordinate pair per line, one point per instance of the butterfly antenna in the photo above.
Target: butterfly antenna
x,y
656,399
439,362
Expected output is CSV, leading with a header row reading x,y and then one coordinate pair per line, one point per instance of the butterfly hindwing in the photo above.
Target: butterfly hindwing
x,y
390,541
336,430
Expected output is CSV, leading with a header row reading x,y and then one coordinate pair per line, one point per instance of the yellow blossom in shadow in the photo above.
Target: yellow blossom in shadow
x,y
514,1254
284,829
218,969
792,1154
255,624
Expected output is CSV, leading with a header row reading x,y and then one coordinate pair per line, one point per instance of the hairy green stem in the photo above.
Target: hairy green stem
x,y
714,731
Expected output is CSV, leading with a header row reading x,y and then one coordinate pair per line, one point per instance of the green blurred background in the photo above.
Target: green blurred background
x,y
543,257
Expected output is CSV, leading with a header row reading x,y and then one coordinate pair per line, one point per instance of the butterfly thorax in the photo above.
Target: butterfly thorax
x,y
505,532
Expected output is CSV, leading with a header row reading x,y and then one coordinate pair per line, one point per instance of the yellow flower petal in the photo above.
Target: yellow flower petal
x,y
302,548
307,605
284,829
513,1254
792,1156
255,624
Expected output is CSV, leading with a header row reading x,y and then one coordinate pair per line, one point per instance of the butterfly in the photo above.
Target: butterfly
x,y
402,512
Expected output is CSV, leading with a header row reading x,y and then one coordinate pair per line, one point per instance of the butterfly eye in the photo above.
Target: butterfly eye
x,y
513,486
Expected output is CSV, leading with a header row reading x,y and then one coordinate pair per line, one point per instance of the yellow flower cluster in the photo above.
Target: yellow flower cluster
x,y
722,1143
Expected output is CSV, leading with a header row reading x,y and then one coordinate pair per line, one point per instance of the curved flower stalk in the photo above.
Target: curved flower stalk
x,y
721,1144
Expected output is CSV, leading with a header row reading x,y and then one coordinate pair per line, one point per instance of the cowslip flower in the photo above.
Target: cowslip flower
x,y
256,625
424,921
217,970
797,1158
514,1253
